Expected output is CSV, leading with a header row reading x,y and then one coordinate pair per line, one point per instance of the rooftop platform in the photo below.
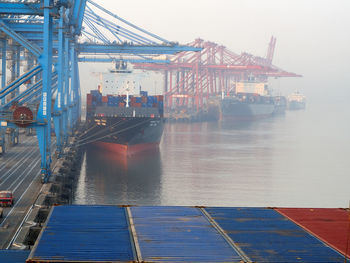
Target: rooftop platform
x,y
79,233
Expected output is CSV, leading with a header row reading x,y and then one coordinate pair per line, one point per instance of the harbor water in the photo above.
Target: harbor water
x,y
300,159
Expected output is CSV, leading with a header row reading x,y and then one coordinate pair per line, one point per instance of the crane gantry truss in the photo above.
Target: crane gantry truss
x,y
192,78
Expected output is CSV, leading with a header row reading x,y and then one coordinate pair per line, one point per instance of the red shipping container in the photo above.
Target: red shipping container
x,y
331,225
160,97
104,99
88,99
137,105
122,105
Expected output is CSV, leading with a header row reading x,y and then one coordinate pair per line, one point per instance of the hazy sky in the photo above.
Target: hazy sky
x,y
313,36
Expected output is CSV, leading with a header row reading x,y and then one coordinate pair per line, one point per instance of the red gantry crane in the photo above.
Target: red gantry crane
x,y
190,79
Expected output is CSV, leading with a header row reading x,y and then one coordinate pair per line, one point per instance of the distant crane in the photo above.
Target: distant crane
x,y
191,79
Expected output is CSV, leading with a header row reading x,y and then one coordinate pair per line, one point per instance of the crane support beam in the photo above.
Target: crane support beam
x,y
132,49
20,39
25,27
44,112
78,15
111,59
19,81
3,65
21,8
24,94
57,114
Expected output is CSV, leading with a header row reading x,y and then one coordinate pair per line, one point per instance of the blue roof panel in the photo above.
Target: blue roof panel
x,y
14,256
179,234
85,233
266,236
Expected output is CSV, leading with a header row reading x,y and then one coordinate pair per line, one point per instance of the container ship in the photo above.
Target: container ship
x,y
123,123
296,101
280,103
250,101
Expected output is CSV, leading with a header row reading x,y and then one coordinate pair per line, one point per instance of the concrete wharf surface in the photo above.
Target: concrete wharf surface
x,y
20,173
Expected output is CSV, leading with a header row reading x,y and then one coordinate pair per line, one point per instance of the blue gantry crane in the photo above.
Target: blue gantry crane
x,y
41,44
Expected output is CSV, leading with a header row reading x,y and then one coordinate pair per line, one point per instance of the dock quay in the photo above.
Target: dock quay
x,y
108,233
20,173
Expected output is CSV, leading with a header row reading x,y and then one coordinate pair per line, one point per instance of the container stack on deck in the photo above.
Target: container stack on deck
x,y
95,98
186,234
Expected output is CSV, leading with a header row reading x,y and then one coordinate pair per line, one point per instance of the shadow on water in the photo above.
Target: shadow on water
x,y
111,178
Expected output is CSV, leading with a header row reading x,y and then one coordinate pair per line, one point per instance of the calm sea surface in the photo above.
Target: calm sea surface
x,y
300,159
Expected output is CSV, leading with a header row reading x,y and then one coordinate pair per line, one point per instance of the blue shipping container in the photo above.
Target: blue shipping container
x,y
13,256
85,233
266,236
179,234
144,93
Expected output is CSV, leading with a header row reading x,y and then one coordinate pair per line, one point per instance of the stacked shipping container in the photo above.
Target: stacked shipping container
x,y
95,98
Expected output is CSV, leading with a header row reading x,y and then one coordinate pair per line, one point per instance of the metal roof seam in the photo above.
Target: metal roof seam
x,y
225,236
133,235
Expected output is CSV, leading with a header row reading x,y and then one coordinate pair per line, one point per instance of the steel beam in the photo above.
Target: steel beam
x,y
57,114
44,112
21,8
3,84
113,59
132,49
66,89
71,94
19,81
20,39
3,66
78,14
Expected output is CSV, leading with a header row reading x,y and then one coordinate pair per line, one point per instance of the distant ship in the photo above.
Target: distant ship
x,y
296,101
251,101
124,124
280,103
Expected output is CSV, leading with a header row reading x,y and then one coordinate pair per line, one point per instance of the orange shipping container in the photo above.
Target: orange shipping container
x,y
137,105
104,99
122,105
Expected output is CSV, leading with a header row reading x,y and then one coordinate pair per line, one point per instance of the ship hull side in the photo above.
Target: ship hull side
x,y
127,134
246,111
296,105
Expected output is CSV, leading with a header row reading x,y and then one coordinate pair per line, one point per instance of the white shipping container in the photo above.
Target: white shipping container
x,y
251,87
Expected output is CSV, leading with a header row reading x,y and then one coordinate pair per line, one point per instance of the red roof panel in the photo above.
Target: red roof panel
x,y
331,225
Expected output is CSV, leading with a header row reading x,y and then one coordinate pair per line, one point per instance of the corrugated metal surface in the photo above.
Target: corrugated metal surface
x,y
13,256
266,236
329,224
85,233
179,234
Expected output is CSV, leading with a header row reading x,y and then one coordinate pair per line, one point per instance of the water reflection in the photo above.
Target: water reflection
x,y
300,160
109,178
214,164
